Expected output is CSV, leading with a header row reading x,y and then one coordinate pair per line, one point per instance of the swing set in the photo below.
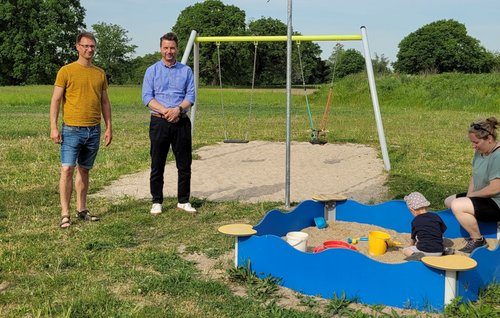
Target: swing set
x,y
194,44
318,134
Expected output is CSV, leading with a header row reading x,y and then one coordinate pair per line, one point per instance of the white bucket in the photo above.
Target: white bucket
x,y
297,240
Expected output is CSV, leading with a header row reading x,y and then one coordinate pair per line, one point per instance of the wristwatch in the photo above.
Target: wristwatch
x,y
181,109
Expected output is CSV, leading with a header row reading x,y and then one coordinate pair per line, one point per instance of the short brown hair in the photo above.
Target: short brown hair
x,y
170,36
85,34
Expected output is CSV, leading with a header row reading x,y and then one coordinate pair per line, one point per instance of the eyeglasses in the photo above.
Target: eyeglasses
x,y
479,127
85,46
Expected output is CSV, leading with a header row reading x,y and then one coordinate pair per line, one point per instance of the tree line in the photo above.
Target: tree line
x,y
33,48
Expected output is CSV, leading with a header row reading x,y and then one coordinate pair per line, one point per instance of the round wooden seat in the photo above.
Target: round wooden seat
x,y
329,197
450,262
237,229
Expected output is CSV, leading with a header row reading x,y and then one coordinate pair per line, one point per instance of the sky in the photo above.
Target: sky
x,y
387,22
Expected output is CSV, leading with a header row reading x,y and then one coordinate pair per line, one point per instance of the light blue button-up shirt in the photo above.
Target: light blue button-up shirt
x,y
168,85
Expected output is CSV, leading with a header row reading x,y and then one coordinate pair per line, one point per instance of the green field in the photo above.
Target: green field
x,y
128,265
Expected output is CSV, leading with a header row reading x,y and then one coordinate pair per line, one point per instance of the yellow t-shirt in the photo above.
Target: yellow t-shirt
x,y
83,87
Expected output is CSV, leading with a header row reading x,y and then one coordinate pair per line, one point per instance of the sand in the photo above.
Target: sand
x,y
341,231
255,172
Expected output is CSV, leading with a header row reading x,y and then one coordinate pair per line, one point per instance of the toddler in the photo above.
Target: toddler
x,y
426,229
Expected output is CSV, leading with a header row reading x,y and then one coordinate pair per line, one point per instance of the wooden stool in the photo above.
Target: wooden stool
x,y
330,201
237,230
451,264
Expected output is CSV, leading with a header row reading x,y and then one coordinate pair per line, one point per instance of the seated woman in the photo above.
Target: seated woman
x,y
481,202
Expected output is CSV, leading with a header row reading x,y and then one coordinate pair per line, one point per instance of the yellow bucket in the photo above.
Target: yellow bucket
x,y
377,242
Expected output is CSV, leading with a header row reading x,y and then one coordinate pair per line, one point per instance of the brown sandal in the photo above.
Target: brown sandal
x,y
86,216
65,222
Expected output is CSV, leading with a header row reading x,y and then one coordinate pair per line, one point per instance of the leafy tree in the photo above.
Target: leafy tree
x,y
442,46
496,62
36,38
271,60
140,64
335,59
352,62
381,65
214,18
321,72
344,62
114,51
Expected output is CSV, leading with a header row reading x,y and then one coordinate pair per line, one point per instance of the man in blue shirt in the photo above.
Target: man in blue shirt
x,y
168,90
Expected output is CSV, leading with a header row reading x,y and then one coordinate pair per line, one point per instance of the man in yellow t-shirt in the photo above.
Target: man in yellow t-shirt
x,y
81,87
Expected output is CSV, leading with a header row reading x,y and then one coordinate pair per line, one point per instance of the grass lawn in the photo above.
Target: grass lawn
x,y
129,264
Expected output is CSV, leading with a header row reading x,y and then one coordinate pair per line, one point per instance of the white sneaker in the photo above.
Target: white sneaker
x,y
156,208
186,207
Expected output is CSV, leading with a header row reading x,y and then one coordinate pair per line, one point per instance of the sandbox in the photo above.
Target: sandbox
x,y
340,271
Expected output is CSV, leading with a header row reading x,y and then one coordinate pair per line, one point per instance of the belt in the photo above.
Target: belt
x,y
80,127
183,115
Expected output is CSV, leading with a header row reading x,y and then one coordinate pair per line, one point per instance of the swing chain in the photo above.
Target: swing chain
x,y
219,68
255,43
317,134
222,100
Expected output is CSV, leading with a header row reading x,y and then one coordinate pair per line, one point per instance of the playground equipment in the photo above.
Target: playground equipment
x,y
433,285
194,42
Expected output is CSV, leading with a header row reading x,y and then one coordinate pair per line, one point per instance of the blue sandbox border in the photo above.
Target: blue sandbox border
x,y
342,271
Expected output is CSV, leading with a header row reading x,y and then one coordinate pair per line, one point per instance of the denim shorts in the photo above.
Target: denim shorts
x,y
80,145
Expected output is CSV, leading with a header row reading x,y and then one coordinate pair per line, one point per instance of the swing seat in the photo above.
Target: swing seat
x,y
235,141
316,141
316,137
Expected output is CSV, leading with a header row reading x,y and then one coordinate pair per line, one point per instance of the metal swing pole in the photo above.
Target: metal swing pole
x,y
288,104
185,57
374,96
